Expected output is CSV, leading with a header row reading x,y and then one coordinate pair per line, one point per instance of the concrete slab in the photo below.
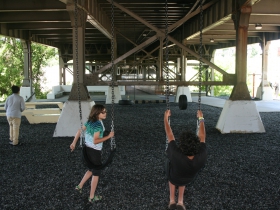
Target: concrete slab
x,y
262,106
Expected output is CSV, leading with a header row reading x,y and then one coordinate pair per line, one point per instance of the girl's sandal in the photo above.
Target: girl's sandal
x,y
181,206
78,189
172,205
95,198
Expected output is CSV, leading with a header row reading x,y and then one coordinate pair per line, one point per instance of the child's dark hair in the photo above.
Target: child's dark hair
x,y
95,111
15,89
189,143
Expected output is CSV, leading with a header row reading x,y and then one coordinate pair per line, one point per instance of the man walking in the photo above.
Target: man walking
x,y
14,105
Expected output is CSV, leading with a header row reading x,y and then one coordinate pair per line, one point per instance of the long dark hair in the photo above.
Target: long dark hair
x,y
95,111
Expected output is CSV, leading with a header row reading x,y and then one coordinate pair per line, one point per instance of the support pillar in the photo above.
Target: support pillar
x,y
265,92
239,114
117,95
78,53
69,121
27,91
26,54
184,65
61,71
160,60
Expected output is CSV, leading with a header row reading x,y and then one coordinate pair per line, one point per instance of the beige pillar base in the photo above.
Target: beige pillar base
x,y
267,93
117,94
69,121
183,91
240,117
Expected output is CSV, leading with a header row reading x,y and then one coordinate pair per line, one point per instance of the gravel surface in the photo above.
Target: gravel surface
x,y
242,171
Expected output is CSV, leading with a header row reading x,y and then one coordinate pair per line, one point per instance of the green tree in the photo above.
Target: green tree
x,y
12,65
41,57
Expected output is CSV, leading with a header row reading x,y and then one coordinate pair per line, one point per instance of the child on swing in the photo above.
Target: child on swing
x,y
185,160
94,139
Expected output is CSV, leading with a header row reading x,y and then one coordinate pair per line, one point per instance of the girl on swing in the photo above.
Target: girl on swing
x,y
185,160
94,139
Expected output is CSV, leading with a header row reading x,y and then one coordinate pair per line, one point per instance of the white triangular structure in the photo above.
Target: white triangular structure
x,y
69,121
266,94
26,92
183,91
117,94
240,117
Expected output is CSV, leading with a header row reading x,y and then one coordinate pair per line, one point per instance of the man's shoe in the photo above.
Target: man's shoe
x,y
11,143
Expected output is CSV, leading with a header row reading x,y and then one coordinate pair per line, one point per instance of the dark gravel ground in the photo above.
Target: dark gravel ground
x,y
242,171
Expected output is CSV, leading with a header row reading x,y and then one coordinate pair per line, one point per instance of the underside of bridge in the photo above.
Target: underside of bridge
x,y
139,29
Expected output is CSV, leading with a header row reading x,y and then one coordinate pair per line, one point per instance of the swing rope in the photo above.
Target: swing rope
x,y
200,60
77,71
82,138
166,55
113,143
200,53
166,63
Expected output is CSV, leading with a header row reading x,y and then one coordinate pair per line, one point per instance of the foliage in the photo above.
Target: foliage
x,y
41,56
221,90
225,59
12,65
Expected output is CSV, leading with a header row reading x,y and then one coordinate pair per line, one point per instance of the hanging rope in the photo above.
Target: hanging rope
x,y
200,61
166,54
200,54
82,140
113,143
166,62
77,71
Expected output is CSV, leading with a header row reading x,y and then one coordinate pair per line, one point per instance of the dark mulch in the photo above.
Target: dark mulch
x,y
242,171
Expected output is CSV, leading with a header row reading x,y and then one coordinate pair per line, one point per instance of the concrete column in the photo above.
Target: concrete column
x,y
265,92
240,114
240,90
117,95
160,59
79,89
183,66
26,54
61,71
212,60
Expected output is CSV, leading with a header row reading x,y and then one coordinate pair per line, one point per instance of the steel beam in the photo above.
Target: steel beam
x,y
143,44
161,33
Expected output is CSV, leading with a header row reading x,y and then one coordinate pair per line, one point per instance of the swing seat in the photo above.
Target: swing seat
x,y
90,165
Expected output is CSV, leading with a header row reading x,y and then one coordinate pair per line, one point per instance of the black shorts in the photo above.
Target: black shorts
x,y
178,181
94,157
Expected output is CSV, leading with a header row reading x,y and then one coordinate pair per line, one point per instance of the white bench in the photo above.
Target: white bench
x,y
45,115
32,105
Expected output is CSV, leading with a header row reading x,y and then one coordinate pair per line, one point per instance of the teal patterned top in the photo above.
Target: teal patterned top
x,y
91,128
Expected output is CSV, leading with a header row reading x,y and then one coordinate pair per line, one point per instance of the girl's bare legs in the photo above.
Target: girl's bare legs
x,y
181,194
87,175
94,182
172,193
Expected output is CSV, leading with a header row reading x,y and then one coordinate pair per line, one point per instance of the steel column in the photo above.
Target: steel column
x,y
26,71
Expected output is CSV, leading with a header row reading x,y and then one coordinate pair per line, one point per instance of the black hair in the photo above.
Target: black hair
x,y
189,143
95,111
15,89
